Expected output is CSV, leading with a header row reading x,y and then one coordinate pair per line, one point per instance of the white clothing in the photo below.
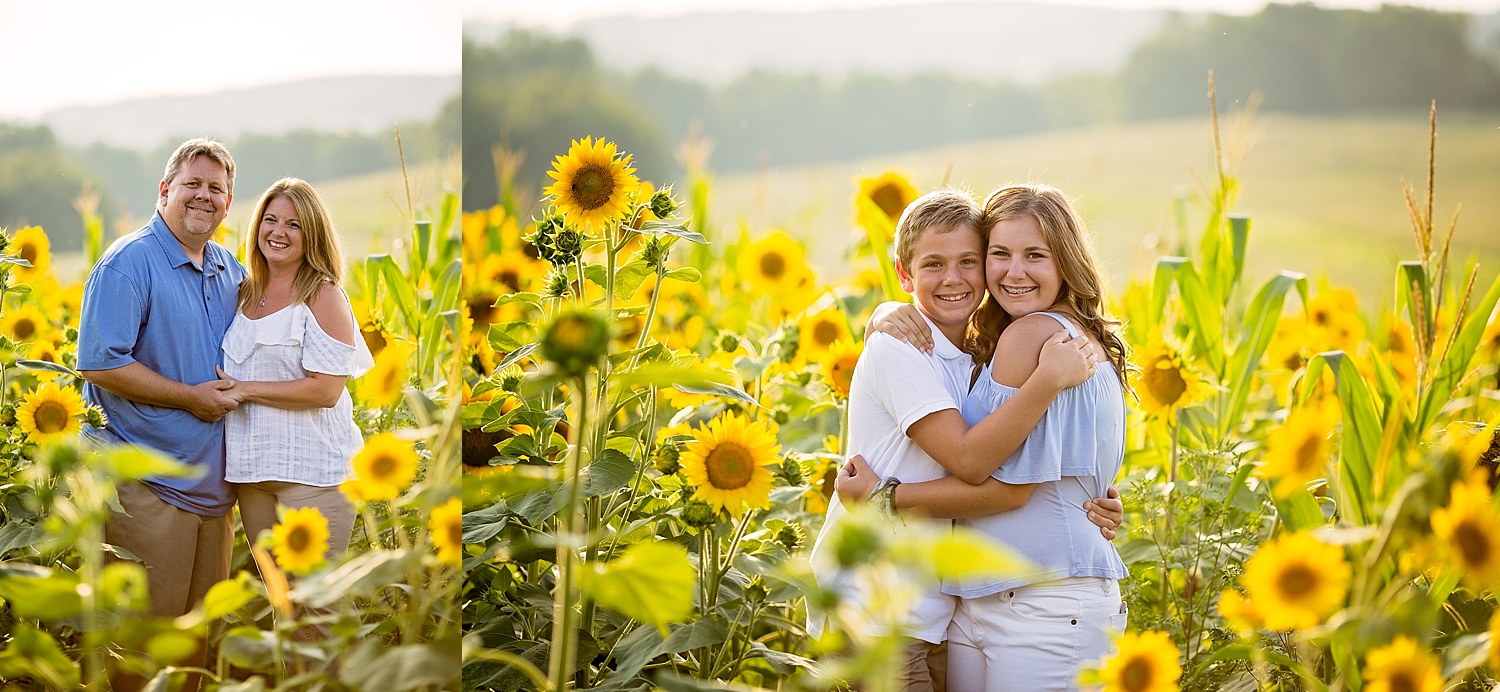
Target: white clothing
x,y
265,443
1035,637
894,386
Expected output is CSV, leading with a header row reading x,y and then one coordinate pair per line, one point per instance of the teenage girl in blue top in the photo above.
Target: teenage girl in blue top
x,y
1035,631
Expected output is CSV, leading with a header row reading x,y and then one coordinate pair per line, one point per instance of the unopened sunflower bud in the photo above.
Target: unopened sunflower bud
x,y
727,342
7,415
662,204
791,469
781,415
699,514
655,253
96,417
756,591
511,382
665,459
856,543
557,284
575,341
791,537
71,335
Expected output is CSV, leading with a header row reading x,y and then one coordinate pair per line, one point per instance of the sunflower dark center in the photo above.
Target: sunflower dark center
x,y
51,417
1309,451
890,200
1137,674
1473,544
1403,681
454,531
825,333
23,328
772,266
511,278
382,466
1165,382
1296,582
28,252
298,540
729,466
592,186
481,308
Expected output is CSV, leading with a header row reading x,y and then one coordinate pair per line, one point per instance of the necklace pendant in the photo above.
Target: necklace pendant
x,y
262,303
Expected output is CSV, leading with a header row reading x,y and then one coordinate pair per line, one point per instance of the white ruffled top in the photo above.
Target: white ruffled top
x,y
265,443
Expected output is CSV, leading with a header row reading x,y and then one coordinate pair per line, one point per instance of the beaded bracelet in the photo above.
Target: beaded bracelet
x,y
884,496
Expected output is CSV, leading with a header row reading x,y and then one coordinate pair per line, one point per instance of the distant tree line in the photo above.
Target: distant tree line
x,y
531,93
40,178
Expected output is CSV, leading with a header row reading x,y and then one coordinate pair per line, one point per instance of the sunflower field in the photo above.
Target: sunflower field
x,y
68,616
654,414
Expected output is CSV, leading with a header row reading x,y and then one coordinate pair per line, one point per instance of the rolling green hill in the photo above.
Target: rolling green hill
x,y
1324,194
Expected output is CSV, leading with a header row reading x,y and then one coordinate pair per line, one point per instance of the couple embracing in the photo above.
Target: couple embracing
x,y
237,373
1011,423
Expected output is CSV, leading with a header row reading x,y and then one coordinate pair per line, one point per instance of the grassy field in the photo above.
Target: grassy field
x,y
1324,194
369,211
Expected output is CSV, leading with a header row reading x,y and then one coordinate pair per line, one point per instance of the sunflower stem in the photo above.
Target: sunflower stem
x,y
564,620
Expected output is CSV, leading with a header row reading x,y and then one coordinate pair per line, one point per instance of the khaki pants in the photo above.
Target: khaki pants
x,y
184,554
258,503
925,666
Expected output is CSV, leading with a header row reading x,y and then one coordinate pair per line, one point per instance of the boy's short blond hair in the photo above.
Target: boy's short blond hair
x,y
942,210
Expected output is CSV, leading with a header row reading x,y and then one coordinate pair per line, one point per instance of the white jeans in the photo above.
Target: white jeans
x,y
1035,637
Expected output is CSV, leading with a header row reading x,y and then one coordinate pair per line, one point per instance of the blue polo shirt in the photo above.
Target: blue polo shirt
x,y
146,302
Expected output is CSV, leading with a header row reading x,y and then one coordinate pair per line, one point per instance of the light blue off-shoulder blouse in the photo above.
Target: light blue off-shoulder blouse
x,y
1072,456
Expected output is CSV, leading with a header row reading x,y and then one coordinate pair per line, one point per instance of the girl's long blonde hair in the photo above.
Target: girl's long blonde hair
x,y
322,258
1082,282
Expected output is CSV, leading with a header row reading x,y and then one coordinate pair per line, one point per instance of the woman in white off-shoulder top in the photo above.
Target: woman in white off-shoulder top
x,y
289,351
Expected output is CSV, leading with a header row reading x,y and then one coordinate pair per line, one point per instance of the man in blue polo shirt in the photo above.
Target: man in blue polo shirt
x,y
155,309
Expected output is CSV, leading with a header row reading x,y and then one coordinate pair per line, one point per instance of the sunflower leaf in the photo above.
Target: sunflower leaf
x,y
35,654
629,277
679,229
10,259
652,582
610,471
48,366
511,336
686,275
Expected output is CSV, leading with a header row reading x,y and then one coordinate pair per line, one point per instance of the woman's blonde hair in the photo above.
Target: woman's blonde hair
x,y
322,258
1082,283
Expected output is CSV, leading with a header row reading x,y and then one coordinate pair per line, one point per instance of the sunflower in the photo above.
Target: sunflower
x,y
1298,451
1470,526
1333,320
382,469
730,462
891,191
25,323
300,540
1167,383
50,413
44,350
447,527
1146,662
772,265
594,186
819,331
1402,667
838,367
1238,612
31,244
382,385
1296,581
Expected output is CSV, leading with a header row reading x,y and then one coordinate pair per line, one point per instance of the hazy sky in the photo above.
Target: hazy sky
x,y
56,53
558,13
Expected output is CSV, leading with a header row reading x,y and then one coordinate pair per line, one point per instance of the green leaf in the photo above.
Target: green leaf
x,y
12,259
679,229
879,231
46,365
130,463
651,582
18,535
228,596
400,289
685,275
629,276
504,483
1161,285
723,390
1239,238
362,575
527,298
171,646
35,654
1362,431
1204,315
1453,368
962,554
610,471
511,336
1259,330
445,290
1299,511
412,666
52,598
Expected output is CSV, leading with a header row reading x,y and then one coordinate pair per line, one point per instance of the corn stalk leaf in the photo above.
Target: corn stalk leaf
x,y
879,230
1259,330
399,289
1453,368
1362,431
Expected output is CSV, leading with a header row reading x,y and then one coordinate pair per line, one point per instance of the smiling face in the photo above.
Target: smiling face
x,y
1020,270
946,277
194,201
279,235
